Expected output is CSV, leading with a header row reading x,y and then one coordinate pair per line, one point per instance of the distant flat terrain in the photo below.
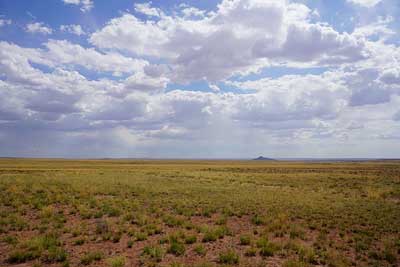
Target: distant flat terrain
x,y
199,213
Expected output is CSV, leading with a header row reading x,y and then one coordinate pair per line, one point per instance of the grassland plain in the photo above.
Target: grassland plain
x,y
198,213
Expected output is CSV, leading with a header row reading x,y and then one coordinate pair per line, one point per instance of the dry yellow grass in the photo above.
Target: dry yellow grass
x,y
198,213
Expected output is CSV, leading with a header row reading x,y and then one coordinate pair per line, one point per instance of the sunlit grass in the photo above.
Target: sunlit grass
x,y
121,212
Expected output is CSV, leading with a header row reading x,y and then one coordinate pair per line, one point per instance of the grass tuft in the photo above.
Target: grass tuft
x,y
228,257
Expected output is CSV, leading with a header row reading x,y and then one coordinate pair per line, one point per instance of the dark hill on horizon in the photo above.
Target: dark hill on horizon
x,y
263,158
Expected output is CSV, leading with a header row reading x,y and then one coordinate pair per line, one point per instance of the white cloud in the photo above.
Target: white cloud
x,y
64,52
396,116
131,34
73,28
240,37
4,22
114,109
365,3
391,76
85,5
145,8
292,98
379,29
38,27
214,87
189,11
288,99
140,81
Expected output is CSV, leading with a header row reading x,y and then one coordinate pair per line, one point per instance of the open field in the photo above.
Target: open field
x,y
198,213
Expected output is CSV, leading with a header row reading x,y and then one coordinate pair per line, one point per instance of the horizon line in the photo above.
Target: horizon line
x,y
214,158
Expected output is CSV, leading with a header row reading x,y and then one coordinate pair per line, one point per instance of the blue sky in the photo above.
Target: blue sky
x,y
218,79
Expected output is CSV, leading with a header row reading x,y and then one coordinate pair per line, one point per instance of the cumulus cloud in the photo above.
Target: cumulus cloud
x,y
73,28
291,98
378,29
396,116
214,87
141,81
241,36
4,22
365,3
146,9
38,27
391,76
131,34
85,5
64,53
189,11
112,109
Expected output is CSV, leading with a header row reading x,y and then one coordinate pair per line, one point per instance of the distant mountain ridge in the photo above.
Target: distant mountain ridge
x,y
263,158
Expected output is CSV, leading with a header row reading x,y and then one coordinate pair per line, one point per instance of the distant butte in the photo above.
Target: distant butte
x,y
262,158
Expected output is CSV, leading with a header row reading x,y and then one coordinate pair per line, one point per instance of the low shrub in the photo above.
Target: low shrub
x,y
257,220
229,257
251,252
245,240
90,257
154,252
176,248
200,250
190,239
116,262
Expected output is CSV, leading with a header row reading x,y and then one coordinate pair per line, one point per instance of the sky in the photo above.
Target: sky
x,y
200,79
